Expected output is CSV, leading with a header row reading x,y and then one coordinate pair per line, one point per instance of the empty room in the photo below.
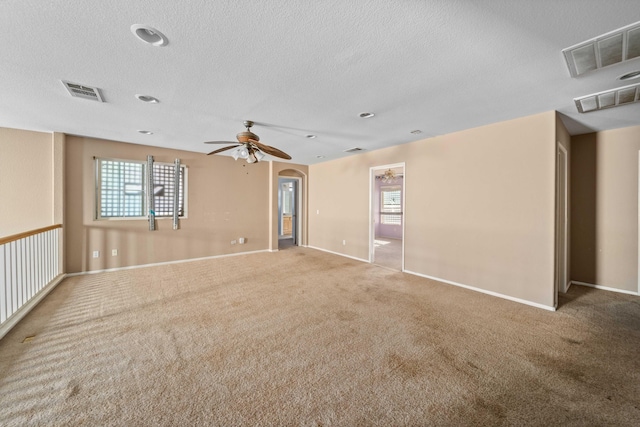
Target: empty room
x,y
357,213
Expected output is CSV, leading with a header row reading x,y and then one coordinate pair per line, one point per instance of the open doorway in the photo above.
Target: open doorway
x,y
288,212
387,195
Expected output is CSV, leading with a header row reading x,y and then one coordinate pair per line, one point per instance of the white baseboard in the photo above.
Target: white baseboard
x,y
131,267
605,288
25,309
338,253
484,291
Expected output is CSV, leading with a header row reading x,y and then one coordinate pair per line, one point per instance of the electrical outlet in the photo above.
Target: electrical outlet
x,y
241,240
318,212
96,254
344,243
114,252
233,242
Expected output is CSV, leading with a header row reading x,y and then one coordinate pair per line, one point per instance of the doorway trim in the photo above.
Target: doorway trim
x,y
562,187
372,183
297,224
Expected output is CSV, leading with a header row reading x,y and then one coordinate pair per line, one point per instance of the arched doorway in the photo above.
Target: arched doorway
x,y
289,219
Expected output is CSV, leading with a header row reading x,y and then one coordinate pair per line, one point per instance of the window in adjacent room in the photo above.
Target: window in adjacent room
x,y
391,205
121,188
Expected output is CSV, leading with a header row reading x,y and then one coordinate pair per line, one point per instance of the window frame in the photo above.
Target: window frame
x,y
98,190
385,213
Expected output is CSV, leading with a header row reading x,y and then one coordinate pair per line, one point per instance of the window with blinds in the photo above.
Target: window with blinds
x,y
164,189
121,187
391,205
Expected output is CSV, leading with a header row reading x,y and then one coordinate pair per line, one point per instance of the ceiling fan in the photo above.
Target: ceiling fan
x,y
248,146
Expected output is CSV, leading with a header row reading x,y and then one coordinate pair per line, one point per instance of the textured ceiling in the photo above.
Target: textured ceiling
x,y
302,67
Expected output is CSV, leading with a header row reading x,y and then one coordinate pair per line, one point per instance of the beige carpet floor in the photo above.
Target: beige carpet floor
x,y
306,338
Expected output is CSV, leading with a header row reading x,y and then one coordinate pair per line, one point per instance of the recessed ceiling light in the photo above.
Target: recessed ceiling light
x,y
629,76
147,98
146,132
149,35
310,136
416,132
366,115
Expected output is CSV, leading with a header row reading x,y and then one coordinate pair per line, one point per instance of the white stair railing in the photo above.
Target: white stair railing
x,y
29,269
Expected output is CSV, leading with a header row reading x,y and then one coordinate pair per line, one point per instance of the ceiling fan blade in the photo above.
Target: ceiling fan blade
x,y
270,150
220,142
223,149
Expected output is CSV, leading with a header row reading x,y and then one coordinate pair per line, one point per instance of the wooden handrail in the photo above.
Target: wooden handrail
x,y
9,239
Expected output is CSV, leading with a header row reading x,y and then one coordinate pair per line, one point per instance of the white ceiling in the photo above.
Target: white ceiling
x,y
300,67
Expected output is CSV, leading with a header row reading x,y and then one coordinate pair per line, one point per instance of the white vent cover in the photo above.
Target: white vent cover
x,y
353,150
611,48
83,91
608,99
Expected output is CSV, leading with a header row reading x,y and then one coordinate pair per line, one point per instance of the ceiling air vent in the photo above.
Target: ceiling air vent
x,y
609,98
611,48
353,150
83,91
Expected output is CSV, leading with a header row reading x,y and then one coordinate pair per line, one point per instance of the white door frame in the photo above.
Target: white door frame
x,y
564,218
372,183
297,224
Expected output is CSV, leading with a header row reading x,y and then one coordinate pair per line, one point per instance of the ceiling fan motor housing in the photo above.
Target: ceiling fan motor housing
x,y
245,136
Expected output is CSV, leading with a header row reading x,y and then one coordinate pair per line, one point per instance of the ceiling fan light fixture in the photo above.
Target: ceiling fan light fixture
x,y
240,153
389,177
149,35
249,147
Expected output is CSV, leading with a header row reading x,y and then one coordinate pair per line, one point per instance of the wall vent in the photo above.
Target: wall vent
x,y
611,48
353,150
83,91
608,99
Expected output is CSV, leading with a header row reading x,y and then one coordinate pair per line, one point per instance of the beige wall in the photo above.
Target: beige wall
x,y
226,200
480,206
604,214
26,181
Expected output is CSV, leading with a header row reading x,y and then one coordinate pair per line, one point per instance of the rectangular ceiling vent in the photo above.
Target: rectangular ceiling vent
x,y
83,91
353,150
608,99
614,47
